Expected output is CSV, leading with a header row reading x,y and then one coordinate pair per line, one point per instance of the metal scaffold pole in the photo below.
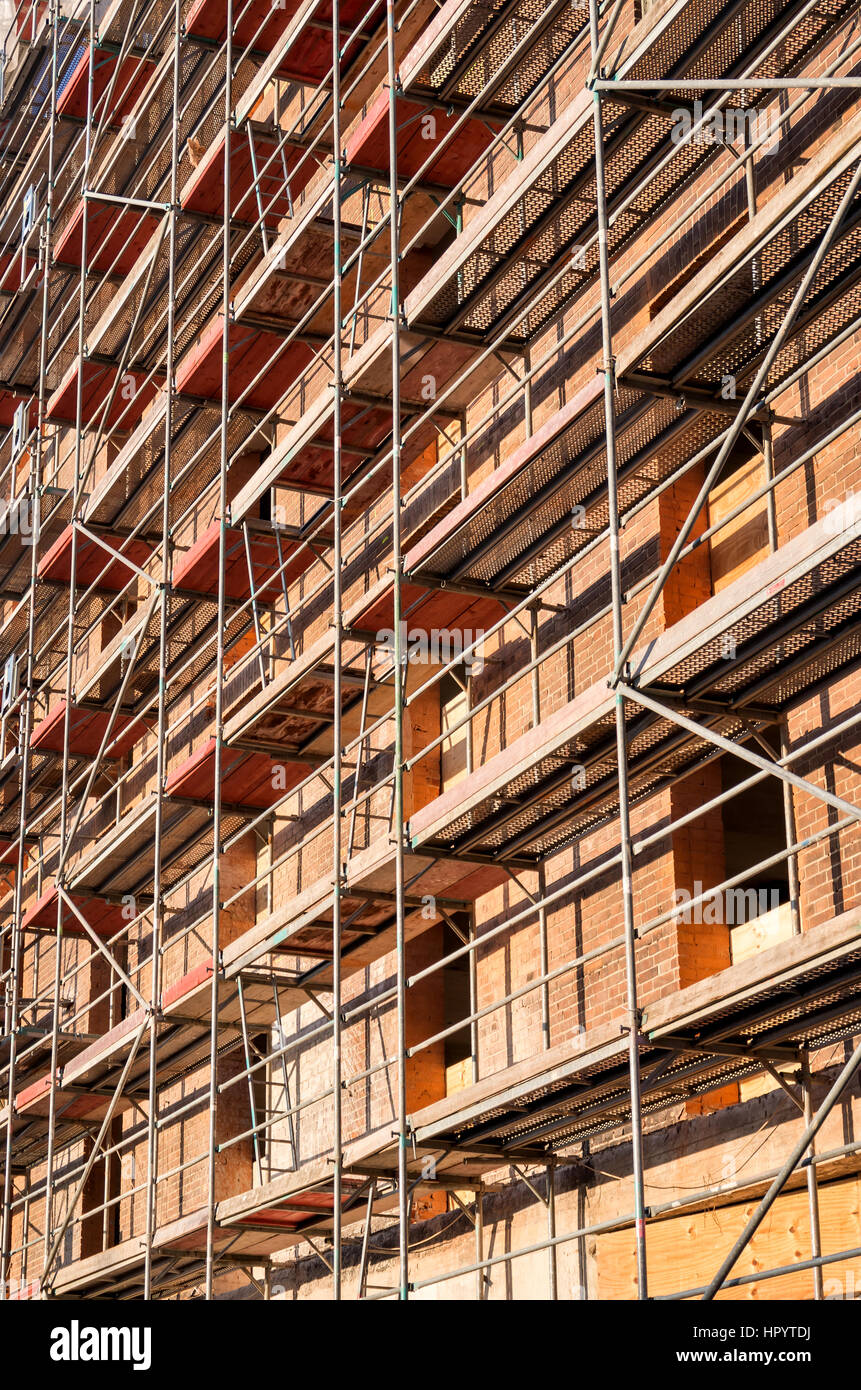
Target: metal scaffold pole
x,y
627,861
224,456
27,692
337,656
70,647
797,1153
162,717
398,826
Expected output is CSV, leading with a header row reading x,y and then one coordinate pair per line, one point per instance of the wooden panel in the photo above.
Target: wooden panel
x,y
685,1251
453,748
744,541
250,350
247,779
87,728
115,237
130,81
9,402
104,918
443,610
93,562
261,24
458,1075
746,940
420,129
198,568
760,933
15,267
130,399
204,191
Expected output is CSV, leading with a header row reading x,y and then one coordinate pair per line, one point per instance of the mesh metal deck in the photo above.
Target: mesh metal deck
x,y
780,645
814,1006
490,285
475,55
527,527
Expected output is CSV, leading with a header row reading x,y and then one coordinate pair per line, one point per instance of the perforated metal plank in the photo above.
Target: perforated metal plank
x,y
123,858
117,1273
580,1087
521,523
33,1044
491,276
498,49
796,602
728,1001
720,323
50,639
22,518
131,490
191,627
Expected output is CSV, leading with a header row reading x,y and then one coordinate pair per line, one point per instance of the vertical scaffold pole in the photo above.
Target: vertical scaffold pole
x,y
27,692
161,719
337,658
812,1186
633,1015
219,666
70,646
397,564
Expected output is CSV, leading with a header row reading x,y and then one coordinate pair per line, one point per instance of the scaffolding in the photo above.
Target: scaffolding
x,y
330,324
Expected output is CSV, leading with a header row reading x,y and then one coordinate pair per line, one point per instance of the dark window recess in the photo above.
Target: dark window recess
x,y
451,685
754,829
742,452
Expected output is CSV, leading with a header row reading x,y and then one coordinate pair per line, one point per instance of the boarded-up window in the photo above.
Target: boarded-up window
x,y
458,1049
743,542
454,704
758,909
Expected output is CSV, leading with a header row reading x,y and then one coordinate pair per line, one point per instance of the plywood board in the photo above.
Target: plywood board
x,y
686,1251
